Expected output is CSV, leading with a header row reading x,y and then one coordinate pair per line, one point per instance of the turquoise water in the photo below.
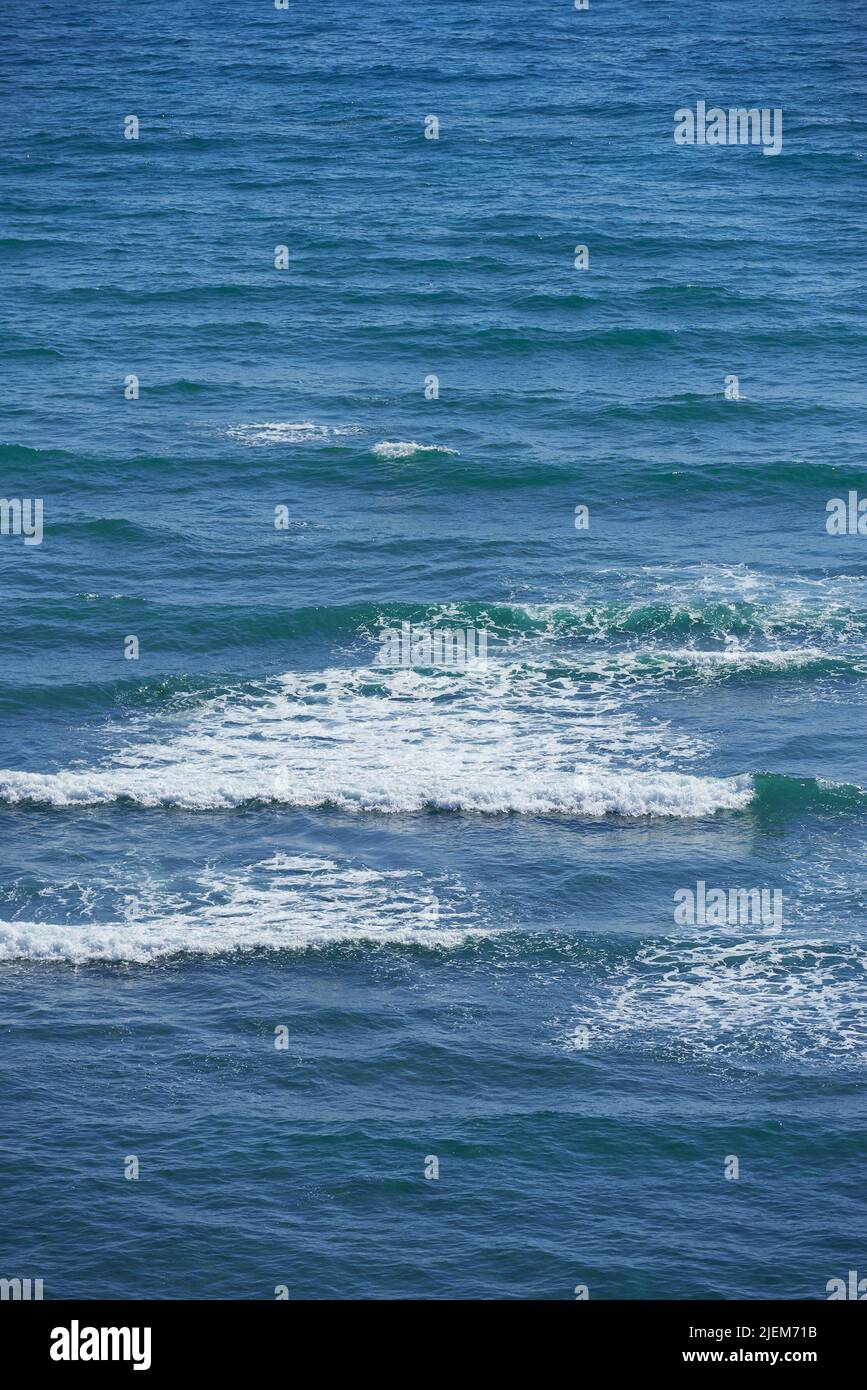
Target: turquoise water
x,y
447,894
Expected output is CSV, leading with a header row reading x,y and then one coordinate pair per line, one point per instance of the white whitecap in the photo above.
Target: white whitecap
x,y
500,740
265,432
289,902
726,996
406,448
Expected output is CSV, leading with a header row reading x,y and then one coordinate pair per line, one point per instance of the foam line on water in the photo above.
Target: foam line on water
x,y
505,740
287,902
714,996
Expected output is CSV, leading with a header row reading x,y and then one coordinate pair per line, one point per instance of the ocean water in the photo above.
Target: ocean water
x,y
285,924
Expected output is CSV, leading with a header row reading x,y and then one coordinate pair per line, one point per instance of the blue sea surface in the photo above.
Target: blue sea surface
x,y
297,930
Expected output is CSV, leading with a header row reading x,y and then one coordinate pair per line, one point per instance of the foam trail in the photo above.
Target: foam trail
x,y
405,449
288,432
791,996
506,740
289,902
585,794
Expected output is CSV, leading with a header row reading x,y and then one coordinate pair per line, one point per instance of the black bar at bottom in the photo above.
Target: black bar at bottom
x,y
161,1339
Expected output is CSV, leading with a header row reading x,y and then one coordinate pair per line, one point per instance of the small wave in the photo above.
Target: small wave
x,y
691,619
112,528
388,786
404,449
735,664
763,996
31,352
503,739
779,795
752,632
287,902
590,793
156,692
288,432
511,738
183,386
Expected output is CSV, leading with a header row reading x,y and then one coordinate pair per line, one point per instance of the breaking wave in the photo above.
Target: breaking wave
x,y
287,902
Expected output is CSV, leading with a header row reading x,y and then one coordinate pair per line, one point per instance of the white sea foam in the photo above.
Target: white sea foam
x,y
768,994
288,432
403,791
288,902
404,449
504,740
705,666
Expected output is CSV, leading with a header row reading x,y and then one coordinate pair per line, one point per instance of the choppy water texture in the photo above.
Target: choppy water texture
x,y
454,890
